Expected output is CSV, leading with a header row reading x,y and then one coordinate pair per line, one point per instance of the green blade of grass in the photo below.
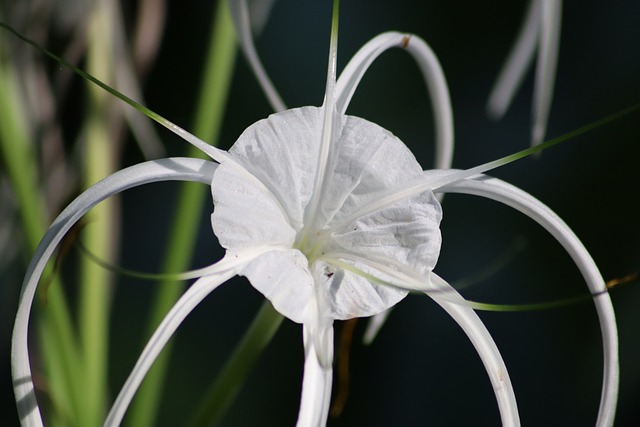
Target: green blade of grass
x,y
95,283
223,391
216,78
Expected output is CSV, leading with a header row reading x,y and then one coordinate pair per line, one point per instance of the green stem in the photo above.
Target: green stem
x,y
216,77
221,394
95,282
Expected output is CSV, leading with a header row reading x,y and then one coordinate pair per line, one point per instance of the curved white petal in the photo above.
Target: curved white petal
x,y
517,63
433,76
241,20
484,345
541,29
259,14
461,311
159,170
226,268
500,191
551,19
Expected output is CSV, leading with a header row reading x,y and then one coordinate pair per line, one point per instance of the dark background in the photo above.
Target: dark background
x,y
422,370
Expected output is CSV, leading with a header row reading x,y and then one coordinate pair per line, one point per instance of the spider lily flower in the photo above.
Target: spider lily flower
x,y
541,31
330,217
352,74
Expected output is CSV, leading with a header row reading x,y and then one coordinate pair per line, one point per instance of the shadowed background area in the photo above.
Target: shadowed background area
x,y
421,369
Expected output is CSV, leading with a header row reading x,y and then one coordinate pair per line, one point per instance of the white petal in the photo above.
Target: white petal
x,y
350,294
191,298
222,271
260,10
280,151
367,160
485,346
241,20
283,278
431,72
517,63
541,29
154,171
500,191
406,232
551,20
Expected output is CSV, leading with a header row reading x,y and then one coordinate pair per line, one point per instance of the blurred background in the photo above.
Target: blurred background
x,y
421,370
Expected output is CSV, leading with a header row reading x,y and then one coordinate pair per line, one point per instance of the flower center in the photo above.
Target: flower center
x,y
312,243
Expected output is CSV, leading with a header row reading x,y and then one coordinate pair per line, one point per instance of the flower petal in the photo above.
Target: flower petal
x,y
223,271
433,76
500,191
481,339
191,298
154,171
283,278
281,152
515,67
541,29
546,67
241,20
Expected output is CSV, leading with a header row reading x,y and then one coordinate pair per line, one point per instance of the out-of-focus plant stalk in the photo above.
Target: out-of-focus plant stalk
x,y
95,281
226,387
216,78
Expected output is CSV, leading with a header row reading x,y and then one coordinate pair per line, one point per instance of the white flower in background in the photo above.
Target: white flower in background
x,y
330,217
540,30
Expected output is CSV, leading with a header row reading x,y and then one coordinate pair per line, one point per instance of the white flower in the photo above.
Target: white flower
x,y
330,217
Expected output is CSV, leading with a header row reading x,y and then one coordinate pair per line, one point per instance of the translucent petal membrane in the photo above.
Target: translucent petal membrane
x,y
364,161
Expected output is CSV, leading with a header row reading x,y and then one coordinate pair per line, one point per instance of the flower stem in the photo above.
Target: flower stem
x,y
96,282
221,394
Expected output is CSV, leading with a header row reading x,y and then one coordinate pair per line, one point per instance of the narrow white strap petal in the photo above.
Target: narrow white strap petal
x,y
160,170
431,72
127,80
551,18
260,11
240,15
316,384
517,63
373,327
512,196
486,348
330,128
191,298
